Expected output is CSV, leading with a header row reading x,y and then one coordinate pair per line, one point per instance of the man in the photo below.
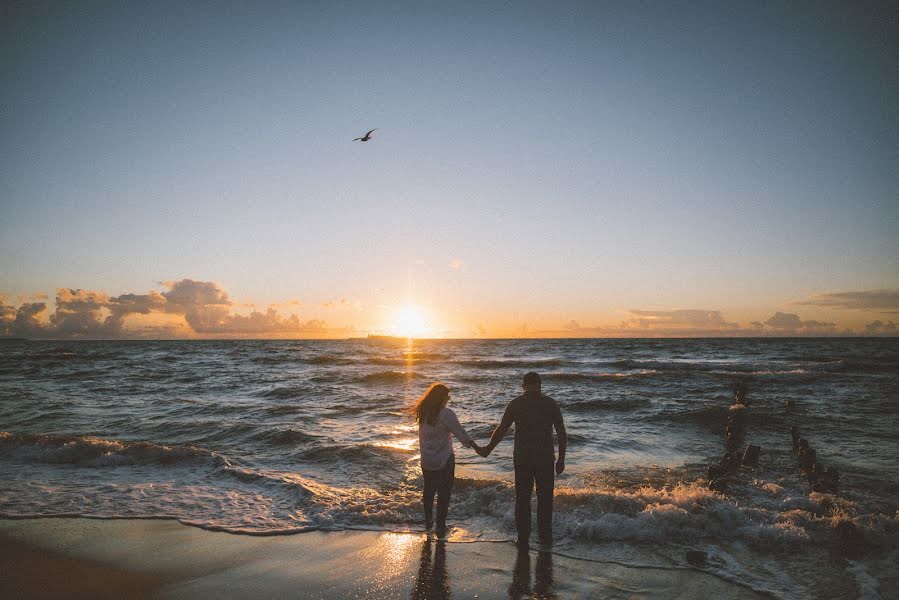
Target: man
x,y
534,416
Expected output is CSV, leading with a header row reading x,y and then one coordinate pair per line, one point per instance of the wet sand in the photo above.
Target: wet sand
x,y
87,558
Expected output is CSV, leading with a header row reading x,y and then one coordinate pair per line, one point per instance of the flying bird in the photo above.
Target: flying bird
x,y
365,137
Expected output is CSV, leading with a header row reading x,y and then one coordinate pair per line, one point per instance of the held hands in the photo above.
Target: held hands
x,y
481,450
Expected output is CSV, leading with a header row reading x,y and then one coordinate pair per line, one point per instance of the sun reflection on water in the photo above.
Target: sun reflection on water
x,y
393,553
409,444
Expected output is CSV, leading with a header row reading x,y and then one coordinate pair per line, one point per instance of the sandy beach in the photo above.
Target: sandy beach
x,y
88,558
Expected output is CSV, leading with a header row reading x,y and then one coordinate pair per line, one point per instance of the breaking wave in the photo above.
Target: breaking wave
x,y
382,377
93,451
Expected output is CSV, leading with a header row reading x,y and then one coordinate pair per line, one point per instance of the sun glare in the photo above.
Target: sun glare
x,y
410,321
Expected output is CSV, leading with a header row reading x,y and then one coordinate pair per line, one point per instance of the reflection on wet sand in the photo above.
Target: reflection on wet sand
x,y
432,581
521,576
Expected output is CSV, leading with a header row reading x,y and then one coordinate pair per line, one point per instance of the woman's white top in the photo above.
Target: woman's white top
x,y
436,441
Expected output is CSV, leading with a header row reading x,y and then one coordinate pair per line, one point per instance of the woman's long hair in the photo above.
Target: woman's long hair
x,y
426,408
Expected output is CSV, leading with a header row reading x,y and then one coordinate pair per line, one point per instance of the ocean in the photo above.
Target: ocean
x,y
284,437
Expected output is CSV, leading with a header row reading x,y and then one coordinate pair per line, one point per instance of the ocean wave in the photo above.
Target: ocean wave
x,y
764,372
284,409
719,367
329,359
873,365
93,451
612,377
599,404
424,355
389,377
577,439
708,415
284,437
380,360
255,501
360,453
65,355
284,392
763,368
274,359
511,363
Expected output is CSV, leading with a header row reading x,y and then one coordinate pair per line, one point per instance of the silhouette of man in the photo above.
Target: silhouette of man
x,y
534,416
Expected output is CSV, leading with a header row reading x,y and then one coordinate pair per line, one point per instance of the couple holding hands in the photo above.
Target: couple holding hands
x,y
534,416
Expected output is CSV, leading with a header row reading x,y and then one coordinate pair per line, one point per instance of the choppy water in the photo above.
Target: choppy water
x,y
274,437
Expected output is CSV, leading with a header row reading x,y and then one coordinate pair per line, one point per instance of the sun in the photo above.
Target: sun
x,y
410,321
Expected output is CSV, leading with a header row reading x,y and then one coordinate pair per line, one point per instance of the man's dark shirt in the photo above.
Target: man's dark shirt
x,y
534,416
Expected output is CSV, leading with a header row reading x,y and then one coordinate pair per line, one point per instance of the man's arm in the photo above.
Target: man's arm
x,y
498,434
559,424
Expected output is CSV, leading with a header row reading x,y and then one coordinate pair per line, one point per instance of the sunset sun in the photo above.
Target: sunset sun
x,y
411,321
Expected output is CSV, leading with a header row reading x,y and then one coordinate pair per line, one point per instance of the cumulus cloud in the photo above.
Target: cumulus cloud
x,y
791,323
694,323
883,300
7,319
878,327
684,318
81,313
198,307
28,319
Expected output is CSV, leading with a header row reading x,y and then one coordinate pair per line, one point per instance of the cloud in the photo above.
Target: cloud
x,y
186,307
789,322
694,323
882,300
456,264
81,313
342,304
28,319
7,319
315,326
205,306
878,327
676,319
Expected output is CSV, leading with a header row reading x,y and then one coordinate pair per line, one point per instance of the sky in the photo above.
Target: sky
x,y
538,169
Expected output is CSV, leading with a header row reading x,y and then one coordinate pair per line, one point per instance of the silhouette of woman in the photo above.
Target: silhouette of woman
x,y
436,426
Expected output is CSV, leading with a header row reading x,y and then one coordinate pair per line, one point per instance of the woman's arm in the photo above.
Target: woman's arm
x,y
452,423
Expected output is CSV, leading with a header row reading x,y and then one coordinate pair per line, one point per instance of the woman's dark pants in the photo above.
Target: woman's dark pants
x,y
439,482
526,475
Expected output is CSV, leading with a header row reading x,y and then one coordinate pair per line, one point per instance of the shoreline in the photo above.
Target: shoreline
x,y
64,557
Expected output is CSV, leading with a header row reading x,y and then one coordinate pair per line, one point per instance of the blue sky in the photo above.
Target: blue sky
x,y
534,163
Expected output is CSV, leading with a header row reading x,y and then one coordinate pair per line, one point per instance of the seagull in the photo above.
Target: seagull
x,y
365,137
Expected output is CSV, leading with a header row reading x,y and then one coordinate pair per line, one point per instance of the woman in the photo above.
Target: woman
x,y
436,426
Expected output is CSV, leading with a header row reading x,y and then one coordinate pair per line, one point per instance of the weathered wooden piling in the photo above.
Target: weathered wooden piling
x,y
734,435
820,478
